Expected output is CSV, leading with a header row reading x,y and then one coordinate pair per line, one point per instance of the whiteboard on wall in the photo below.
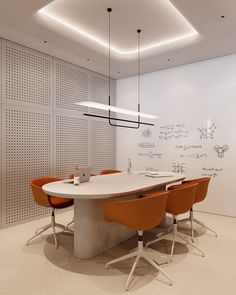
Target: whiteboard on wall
x,y
196,131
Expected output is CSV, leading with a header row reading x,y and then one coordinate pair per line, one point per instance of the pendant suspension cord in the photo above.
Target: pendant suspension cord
x,y
109,62
139,31
109,10
110,119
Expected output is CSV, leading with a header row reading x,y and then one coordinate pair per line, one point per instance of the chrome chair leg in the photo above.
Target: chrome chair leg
x,y
131,272
183,237
41,228
173,242
54,235
176,234
64,228
192,220
70,223
38,233
127,256
202,224
61,226
154,264
52,225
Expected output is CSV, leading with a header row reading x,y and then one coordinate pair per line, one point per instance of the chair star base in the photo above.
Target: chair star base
x,y
191,219
139,253
69,224
175,234
52,225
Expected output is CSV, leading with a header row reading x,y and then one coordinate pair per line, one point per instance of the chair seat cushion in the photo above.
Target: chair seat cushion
x,y
60,203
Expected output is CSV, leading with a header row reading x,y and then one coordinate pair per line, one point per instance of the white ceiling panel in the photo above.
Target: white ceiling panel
x,y
173,32
89,20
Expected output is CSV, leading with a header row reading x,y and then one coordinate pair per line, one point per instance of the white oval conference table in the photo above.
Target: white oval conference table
x,y
92,234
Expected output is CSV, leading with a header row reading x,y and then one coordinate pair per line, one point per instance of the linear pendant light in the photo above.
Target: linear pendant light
x,y
111,108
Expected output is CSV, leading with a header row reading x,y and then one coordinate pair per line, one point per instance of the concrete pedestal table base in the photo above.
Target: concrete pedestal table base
x,y
92,234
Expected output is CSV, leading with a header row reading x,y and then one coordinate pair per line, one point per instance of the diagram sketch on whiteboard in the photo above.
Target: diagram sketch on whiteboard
x,y
178,168
147,133
207,133
220,150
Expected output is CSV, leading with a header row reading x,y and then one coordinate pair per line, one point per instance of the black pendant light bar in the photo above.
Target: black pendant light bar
x,y
117,119
110,119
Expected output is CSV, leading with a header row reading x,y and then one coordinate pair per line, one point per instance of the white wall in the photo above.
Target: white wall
x,y
196,106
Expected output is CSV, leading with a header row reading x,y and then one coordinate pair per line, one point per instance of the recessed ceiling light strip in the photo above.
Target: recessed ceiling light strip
x,y
51,14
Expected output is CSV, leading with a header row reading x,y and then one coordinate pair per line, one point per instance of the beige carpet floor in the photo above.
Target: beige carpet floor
x,y
40,269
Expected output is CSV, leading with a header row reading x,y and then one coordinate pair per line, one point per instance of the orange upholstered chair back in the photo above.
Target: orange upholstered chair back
x,y
181,198
202,189
109,171
139,214
39,196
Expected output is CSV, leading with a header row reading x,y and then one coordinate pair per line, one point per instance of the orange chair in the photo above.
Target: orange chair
x,y
200,195
109,171
48,201
180,200
139,214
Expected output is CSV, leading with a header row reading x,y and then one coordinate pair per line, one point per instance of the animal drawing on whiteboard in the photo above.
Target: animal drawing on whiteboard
x,y
178,168
147,133
220,150
207,133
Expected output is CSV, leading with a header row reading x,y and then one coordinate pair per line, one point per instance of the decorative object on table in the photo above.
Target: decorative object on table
x,y
129,167
76,176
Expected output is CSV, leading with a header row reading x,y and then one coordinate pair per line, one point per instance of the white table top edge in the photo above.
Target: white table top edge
x,y
109,186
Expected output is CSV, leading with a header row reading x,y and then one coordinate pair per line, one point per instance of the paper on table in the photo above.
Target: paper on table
x,y
156,176
159,174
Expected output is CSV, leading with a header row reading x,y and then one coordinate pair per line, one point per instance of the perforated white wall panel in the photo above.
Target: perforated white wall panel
x,y
27,78
71,144
104,146
1,132
71,85
43,131
99,86
103,135
27,155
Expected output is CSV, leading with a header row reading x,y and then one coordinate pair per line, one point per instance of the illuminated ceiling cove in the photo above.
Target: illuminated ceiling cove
x,y
174,32
161,23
